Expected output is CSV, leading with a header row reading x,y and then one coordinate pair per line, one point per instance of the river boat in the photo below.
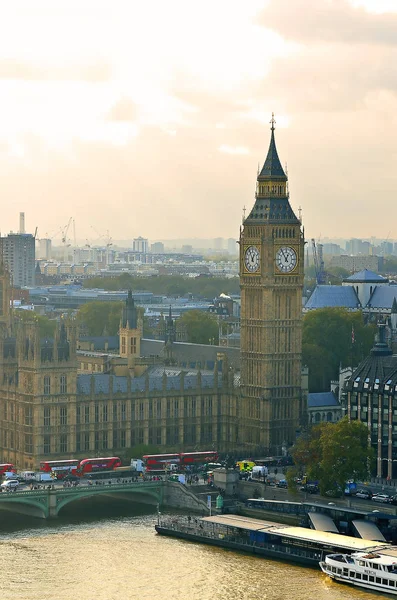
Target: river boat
x,y
375,571
264,538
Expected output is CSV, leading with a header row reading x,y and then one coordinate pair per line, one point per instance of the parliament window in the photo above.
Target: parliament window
x,y
63,384
28,443
78,415
47,416
86,441
28,415
96,411
123,441
105,413
64,415
123,411
87,414
47,444
63,442
47,385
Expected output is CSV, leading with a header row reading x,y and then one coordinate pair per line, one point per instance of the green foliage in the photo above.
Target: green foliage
x,y
334,453
389,265
327,343
100,316
140,450
201,327
169,285
46,326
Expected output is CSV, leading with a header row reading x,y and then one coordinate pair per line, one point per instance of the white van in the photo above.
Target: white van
x,y
259,472
26,475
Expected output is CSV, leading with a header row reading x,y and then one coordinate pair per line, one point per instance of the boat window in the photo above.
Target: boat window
x,y
385,581
365,577
391,583
352,574
374,566
371,578
361,563
350,559
339,571
358,575
378,580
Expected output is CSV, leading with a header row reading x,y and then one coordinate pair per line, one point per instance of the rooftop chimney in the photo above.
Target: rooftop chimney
x,y
22,222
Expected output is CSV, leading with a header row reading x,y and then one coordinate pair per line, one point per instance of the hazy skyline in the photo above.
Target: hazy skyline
x,y
150,118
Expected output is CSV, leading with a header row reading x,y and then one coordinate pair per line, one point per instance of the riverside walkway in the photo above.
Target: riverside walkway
x,y
46,503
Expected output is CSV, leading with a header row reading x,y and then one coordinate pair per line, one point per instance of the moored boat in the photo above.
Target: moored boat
x,y
374,570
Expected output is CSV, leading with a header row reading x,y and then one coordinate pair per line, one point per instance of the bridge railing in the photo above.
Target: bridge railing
x,y
74,489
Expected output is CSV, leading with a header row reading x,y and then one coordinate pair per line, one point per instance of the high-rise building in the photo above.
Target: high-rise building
x,y
157,248
45,248
232,247
140,244
18,253
271,279
218,243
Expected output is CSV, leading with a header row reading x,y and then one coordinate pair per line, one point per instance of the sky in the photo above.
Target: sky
x,y
150,118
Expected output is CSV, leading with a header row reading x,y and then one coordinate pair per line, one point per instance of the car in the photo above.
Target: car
x,y
364,494
10,484
282,483
381,498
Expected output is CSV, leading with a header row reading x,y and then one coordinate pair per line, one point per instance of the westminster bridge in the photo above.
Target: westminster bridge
x,y
47,503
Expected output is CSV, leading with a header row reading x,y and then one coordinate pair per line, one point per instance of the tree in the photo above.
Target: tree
x,y
334,453
333,337
46,326
201,327
141,450
100,316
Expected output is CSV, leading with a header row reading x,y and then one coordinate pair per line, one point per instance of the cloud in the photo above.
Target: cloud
x,y
335,21
124,110
13,68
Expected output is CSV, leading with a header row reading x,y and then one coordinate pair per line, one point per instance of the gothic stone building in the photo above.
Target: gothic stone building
x,y
49,410
370,396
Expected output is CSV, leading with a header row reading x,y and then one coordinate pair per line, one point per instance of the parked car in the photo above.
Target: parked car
x,y
10,484
381,498
365,494
282,483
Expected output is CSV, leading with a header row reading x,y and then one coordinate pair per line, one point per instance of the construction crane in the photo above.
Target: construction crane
x,y
64,238
318,262
107,239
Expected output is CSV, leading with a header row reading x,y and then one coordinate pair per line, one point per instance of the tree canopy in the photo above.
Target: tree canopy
x,y
168,285
46,326
100,316
334,453
333,337
201,327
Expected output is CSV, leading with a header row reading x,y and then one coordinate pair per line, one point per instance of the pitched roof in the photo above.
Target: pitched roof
x,y
272,168
383,296
366,276
328,296
322,399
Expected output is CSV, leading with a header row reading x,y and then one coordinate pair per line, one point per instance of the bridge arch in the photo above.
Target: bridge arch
x,y
65,498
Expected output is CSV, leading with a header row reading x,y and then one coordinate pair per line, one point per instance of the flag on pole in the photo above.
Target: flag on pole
x,y
353,338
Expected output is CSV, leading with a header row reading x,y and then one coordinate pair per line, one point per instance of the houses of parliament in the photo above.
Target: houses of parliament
x,y
169,394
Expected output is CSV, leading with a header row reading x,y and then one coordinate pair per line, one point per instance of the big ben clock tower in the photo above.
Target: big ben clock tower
x,y
271,281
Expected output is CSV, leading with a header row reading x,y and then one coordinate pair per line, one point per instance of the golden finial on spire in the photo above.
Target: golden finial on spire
x,y
273,122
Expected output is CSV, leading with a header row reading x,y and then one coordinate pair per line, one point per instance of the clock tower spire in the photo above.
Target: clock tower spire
x,y
271,281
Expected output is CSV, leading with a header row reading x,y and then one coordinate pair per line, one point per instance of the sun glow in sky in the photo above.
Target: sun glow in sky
x,y
149,118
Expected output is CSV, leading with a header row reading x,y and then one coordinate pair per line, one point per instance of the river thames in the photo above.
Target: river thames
x,y
85,555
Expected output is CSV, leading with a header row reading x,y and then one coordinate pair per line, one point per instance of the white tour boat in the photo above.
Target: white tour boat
x,y
376,570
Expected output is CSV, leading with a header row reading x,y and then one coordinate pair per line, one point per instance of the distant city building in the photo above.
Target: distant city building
x,y
333,249
218,243
18,253
140,244
44,250
187,249
357,263
157,248
386,248
232,246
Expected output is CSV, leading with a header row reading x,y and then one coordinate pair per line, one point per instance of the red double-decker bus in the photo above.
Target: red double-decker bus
x,y
189,459
160,462
61,468
88,465
6,468
182,461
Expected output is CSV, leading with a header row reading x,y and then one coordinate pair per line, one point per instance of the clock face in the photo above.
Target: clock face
x,y
286,259
251,259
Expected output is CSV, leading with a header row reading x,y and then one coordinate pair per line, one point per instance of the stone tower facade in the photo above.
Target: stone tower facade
x,y
271,281
130,331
